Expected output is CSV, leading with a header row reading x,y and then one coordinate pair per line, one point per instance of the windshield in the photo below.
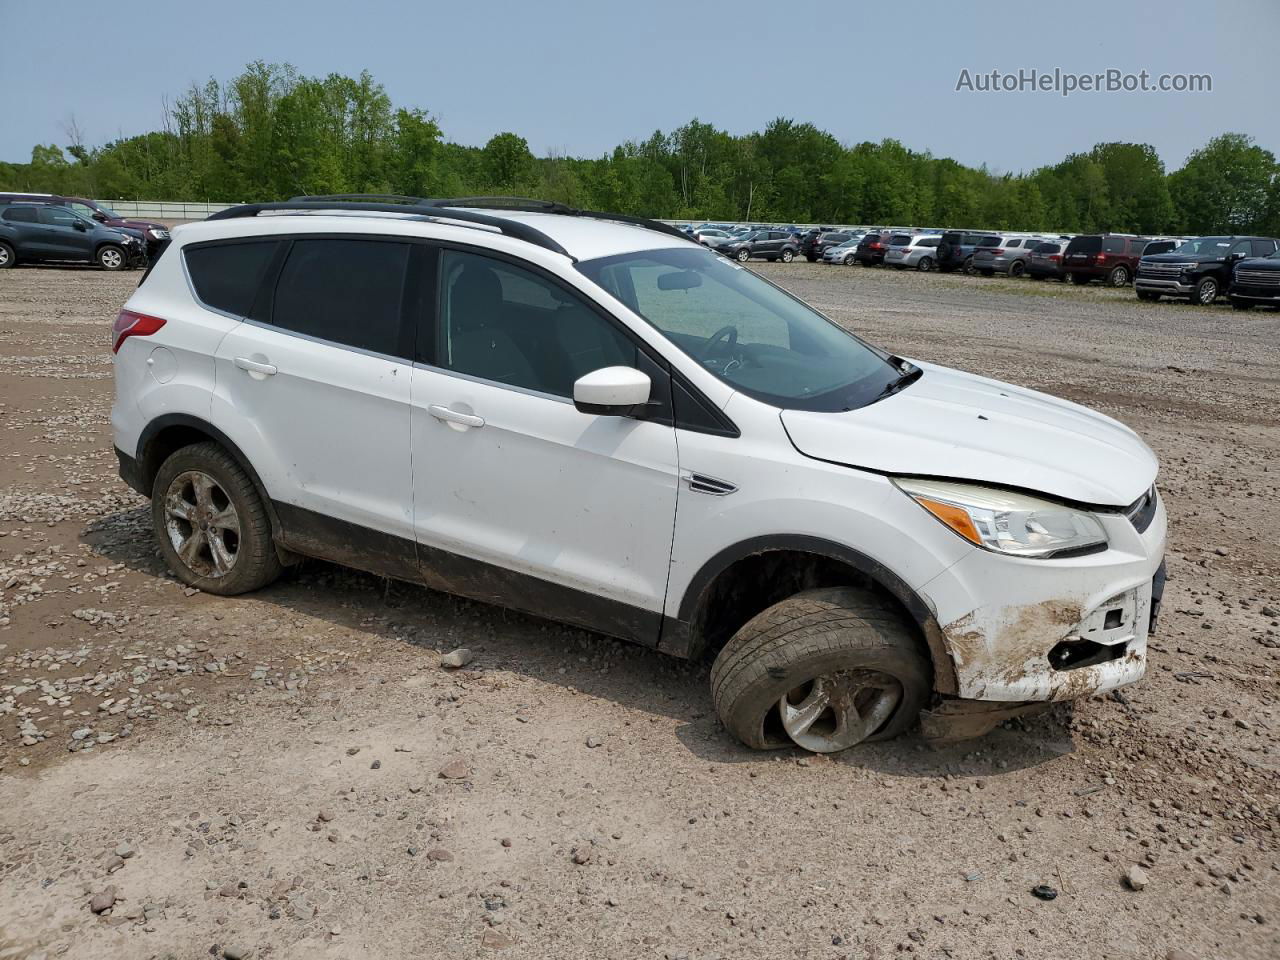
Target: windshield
x,y
751,334
1213,245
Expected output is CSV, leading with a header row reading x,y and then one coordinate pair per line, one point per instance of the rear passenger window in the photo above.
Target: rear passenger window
x,y
228,276
20,215
345,291
1112,245
502,323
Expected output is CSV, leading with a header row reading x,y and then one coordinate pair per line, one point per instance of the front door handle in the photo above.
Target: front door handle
x,y
453,416
253,366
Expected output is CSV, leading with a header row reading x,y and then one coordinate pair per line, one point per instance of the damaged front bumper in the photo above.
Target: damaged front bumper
x,y
1027,631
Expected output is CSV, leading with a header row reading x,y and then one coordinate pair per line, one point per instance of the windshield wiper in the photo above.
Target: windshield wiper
x,y
909,375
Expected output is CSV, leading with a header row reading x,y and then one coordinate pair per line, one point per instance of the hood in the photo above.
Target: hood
x,y
955,425
1181,258
128,223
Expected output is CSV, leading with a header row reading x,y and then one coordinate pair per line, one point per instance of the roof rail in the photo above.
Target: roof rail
x,y
530,205
463,209
411,205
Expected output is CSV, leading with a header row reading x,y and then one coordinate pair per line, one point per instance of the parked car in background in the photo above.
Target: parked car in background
x,y
842,252
34,232
809,242
1110,257
1200,270
1045,261
872,248
710,236
832,238
955,250
765,244
153,233
1256,282
919,251
1006,255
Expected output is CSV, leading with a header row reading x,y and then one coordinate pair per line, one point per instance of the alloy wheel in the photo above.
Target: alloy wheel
x,y
202,524
837,710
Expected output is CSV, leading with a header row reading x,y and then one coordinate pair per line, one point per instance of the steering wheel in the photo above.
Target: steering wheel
x,y
729,331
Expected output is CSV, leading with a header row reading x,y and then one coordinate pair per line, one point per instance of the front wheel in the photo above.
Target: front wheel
x,y
211,524
823,670
111,257
788,256
1205,293
849,260
742,256
925,264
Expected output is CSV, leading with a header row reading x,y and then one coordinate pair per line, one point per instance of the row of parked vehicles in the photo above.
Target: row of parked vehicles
x,y
1196,269
41,227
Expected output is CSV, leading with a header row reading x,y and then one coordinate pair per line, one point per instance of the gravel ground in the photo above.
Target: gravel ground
x,y
294,774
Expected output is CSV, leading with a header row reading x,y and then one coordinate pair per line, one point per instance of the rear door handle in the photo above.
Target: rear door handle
x,y
453,416
253,366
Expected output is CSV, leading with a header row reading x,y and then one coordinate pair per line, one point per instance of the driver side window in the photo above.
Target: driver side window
x,y
502,323
58,216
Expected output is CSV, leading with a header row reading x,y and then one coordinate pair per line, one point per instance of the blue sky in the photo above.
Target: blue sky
x,y
581,77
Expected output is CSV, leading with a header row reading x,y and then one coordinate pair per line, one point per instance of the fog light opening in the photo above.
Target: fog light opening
x,y
1076,652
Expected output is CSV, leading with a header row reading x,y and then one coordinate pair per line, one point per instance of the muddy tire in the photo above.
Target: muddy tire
x,y
823,670
211,524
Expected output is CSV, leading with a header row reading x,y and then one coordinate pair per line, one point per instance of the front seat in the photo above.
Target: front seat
x,y
477,345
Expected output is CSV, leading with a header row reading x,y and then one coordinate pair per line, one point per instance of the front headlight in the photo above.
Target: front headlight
x,y
1007,522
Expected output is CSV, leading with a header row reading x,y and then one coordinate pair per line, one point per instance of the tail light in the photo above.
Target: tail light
x,y
998,252
129,324
1055,257
1100,258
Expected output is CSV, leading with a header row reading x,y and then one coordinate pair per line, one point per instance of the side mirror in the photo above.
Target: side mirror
x,y
100,217
612,392
80,225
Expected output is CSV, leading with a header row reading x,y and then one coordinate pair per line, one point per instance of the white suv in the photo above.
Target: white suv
x,y
595,419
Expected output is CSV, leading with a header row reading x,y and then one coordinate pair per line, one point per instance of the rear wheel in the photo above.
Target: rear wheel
x,y
925,264
111,257
823,670
7,258
788,256
1119,276
211,524
1017,268
1205,293
968,265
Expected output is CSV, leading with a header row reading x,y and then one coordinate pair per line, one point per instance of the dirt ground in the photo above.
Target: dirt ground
x,y
292,774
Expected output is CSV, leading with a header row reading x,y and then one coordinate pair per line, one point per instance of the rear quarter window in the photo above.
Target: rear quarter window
x,y
1085,245
228,276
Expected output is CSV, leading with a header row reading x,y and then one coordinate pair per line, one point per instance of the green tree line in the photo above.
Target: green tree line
x,y
271,133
